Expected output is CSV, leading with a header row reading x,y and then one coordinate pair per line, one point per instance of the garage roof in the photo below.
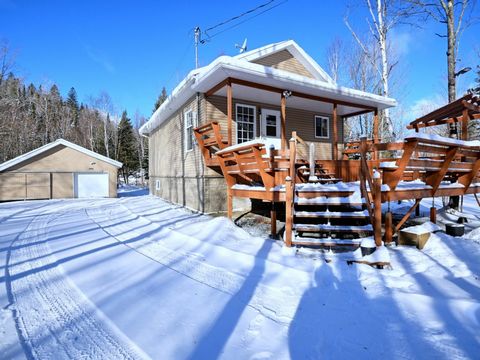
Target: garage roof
x,y
42,149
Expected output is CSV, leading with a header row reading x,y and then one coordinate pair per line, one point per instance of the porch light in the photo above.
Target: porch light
x,y
287,93
463,71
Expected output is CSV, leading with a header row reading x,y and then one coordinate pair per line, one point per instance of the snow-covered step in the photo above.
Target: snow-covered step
x,y
333,214
311,241
335,200
333,228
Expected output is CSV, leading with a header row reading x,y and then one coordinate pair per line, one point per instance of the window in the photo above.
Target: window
x,y
245,116
189,119
321,127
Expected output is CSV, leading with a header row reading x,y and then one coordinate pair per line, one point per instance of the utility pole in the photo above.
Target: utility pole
x,y
197,40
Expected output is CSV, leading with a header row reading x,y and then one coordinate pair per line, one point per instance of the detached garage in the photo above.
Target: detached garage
x,y
58,170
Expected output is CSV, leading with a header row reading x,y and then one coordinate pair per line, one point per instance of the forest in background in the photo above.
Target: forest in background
x,y
32,116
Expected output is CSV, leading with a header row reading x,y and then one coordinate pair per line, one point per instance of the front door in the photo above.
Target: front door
x,y
271,128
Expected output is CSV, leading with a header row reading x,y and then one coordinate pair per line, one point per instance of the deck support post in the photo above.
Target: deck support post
x,y
388,227
229,203
433,214
288,211
465,118
229,112
377,188
375,133
283,125
273,221
335,134
417,211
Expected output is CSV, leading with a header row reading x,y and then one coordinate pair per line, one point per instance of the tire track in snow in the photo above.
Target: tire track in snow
x,y
264,298
54,316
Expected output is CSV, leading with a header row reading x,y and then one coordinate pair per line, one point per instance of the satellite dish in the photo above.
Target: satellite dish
x,y
243,47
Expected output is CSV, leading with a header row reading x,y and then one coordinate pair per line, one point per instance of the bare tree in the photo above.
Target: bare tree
x,y
457,16
104,104
7,60
382,19
336,59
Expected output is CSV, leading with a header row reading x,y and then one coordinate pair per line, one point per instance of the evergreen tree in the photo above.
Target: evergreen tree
x,y
72,104
126,147
160,100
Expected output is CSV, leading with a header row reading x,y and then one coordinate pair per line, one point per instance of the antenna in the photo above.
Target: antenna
x,y
243,47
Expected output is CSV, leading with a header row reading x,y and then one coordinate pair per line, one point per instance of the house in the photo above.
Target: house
x,y
57,170
266,126
260,95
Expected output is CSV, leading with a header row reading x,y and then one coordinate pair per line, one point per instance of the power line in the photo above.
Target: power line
x,y
238,16
241,22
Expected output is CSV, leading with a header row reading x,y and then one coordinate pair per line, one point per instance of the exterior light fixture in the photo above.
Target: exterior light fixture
x,y
463,71
287,93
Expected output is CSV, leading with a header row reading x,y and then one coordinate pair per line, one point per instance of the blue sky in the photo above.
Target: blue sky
x,y
132,49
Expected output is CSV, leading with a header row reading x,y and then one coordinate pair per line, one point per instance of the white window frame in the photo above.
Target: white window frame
x,y
278,115
254,120
186,128
315,126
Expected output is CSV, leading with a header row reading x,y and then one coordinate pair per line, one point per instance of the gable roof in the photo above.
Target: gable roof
x,y
240,66
19,159
296,51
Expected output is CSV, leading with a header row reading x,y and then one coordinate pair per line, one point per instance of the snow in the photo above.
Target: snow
x,y
241,145
425,228
139,277
446,140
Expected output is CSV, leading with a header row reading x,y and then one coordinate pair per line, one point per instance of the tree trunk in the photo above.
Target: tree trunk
x,y
451,51
105,137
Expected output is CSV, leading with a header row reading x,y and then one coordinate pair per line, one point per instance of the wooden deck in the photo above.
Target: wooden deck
x,y
418,167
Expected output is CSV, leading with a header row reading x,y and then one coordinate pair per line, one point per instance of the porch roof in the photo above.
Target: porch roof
x,y
204,79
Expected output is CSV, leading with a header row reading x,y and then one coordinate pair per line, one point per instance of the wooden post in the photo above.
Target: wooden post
x,y
229,203
465,118
290,193
288,211
375,133
388,227
283,125
417,211
273,221
433,214
335,136
377,201
229,112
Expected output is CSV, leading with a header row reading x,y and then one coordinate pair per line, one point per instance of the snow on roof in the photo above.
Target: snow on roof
x,y
203,79
19,159
294,49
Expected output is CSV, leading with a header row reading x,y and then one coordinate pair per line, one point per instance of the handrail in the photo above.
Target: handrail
x,y
366,178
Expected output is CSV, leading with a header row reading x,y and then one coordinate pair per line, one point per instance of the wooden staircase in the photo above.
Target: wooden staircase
x,y
210,141
329,218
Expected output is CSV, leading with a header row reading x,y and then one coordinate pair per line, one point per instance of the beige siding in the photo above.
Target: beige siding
x,y
298,120
31,179
183,177
284,60
63,185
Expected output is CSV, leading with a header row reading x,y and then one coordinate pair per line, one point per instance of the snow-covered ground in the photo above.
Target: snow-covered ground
x,y
138,277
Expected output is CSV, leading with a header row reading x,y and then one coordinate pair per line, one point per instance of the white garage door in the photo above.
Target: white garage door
x,y
91,185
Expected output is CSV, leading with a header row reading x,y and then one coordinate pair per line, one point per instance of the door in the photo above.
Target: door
x,y
91,185
271,128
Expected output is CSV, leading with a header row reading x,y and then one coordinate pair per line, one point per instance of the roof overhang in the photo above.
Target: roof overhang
x,y
19,159
204,79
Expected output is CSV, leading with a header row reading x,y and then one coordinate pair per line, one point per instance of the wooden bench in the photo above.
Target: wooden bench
x,y
434,159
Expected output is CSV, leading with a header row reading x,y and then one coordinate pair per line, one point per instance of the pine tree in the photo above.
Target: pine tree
x,y
160,100
126,147
72,104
